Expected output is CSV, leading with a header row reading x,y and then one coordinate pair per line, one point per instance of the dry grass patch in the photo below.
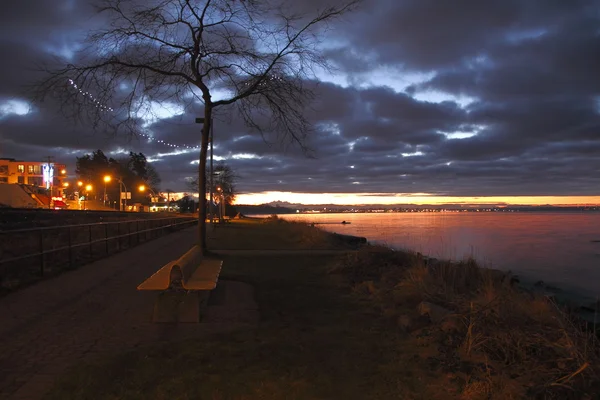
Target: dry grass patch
x,y
486,338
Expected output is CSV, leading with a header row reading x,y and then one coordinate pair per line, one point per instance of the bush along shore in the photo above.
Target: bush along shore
x,y
476,329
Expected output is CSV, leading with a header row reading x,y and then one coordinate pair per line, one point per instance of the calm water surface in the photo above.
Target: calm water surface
x,y
554,247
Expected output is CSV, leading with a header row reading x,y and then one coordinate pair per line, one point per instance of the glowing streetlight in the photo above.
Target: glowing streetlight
x,y
107,179
64,171
143,188
153,196
88,188
121,197
221,203
66,184
80,184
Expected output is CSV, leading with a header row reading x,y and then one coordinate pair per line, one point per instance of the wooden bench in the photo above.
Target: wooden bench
x,y
184,285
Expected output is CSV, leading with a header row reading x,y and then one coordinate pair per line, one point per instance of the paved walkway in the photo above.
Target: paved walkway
x,y
95,311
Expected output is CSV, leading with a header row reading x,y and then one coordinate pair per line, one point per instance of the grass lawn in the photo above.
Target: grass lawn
x,y
267,234
314,341
373,324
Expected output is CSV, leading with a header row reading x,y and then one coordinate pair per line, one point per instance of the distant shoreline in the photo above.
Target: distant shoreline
x,y
265,210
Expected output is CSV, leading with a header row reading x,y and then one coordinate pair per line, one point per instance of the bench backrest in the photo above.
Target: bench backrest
x,y
184,266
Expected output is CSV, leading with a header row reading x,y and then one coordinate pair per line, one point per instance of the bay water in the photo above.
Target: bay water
x,y
560,248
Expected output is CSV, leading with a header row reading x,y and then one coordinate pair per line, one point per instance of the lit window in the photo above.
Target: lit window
x,y
21,168
30,169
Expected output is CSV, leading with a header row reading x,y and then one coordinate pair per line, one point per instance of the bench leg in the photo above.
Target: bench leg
x,y
172,307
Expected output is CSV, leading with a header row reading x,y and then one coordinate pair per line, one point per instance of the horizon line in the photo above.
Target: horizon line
x,y
420,199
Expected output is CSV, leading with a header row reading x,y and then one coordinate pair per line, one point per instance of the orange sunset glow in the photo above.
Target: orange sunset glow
x,y
407,198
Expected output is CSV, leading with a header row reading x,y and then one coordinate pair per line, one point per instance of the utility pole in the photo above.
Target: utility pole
x,y
212,172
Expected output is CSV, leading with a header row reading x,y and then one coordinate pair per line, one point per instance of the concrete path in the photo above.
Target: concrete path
x,y
96,311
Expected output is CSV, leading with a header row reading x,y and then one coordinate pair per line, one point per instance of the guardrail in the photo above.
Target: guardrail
x,y
23,218
28,255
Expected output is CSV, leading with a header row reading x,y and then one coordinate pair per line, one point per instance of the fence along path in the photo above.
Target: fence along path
x,y
27,255
94,310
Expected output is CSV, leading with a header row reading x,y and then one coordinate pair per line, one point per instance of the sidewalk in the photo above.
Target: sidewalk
x,y
96,310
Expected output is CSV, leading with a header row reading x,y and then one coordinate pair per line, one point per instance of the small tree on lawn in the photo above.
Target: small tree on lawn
x,y
260,53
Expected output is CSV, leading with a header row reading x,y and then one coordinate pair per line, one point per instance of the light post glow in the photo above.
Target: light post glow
x,y
88,188
153,196
107,179
221,203
121,205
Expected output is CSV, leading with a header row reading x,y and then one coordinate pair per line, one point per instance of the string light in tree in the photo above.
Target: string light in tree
x,y
175,146
103,107
266,81
91,97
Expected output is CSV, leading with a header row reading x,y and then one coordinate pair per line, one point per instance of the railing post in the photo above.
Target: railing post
x,y
70,249
106,237
41,252
90,242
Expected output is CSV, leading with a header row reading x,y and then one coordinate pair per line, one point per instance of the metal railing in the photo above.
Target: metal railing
x,y
28,255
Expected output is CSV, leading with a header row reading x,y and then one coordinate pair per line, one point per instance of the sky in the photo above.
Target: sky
x,y
429,101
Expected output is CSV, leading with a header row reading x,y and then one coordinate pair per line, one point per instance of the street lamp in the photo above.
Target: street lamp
x,y
120,180
142,188
107,179
79,184
221,201
88,188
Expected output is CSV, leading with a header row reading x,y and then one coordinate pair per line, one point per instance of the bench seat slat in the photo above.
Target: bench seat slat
x,y
205,277
160,280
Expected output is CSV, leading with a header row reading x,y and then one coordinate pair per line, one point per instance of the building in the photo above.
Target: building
x,y
47,175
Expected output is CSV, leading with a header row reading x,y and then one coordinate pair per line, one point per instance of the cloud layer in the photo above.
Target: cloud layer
x,y
481,99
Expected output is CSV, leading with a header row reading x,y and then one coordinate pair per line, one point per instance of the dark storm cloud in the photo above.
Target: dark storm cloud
x,y
429,35
530,66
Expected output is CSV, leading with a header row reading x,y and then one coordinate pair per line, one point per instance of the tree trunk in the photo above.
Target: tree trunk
x,y
202,180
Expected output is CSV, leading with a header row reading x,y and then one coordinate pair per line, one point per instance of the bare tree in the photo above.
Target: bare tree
x,y
259,53
224,178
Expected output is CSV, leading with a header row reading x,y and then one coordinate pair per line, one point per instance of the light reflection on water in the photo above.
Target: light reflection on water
x,y
554,247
